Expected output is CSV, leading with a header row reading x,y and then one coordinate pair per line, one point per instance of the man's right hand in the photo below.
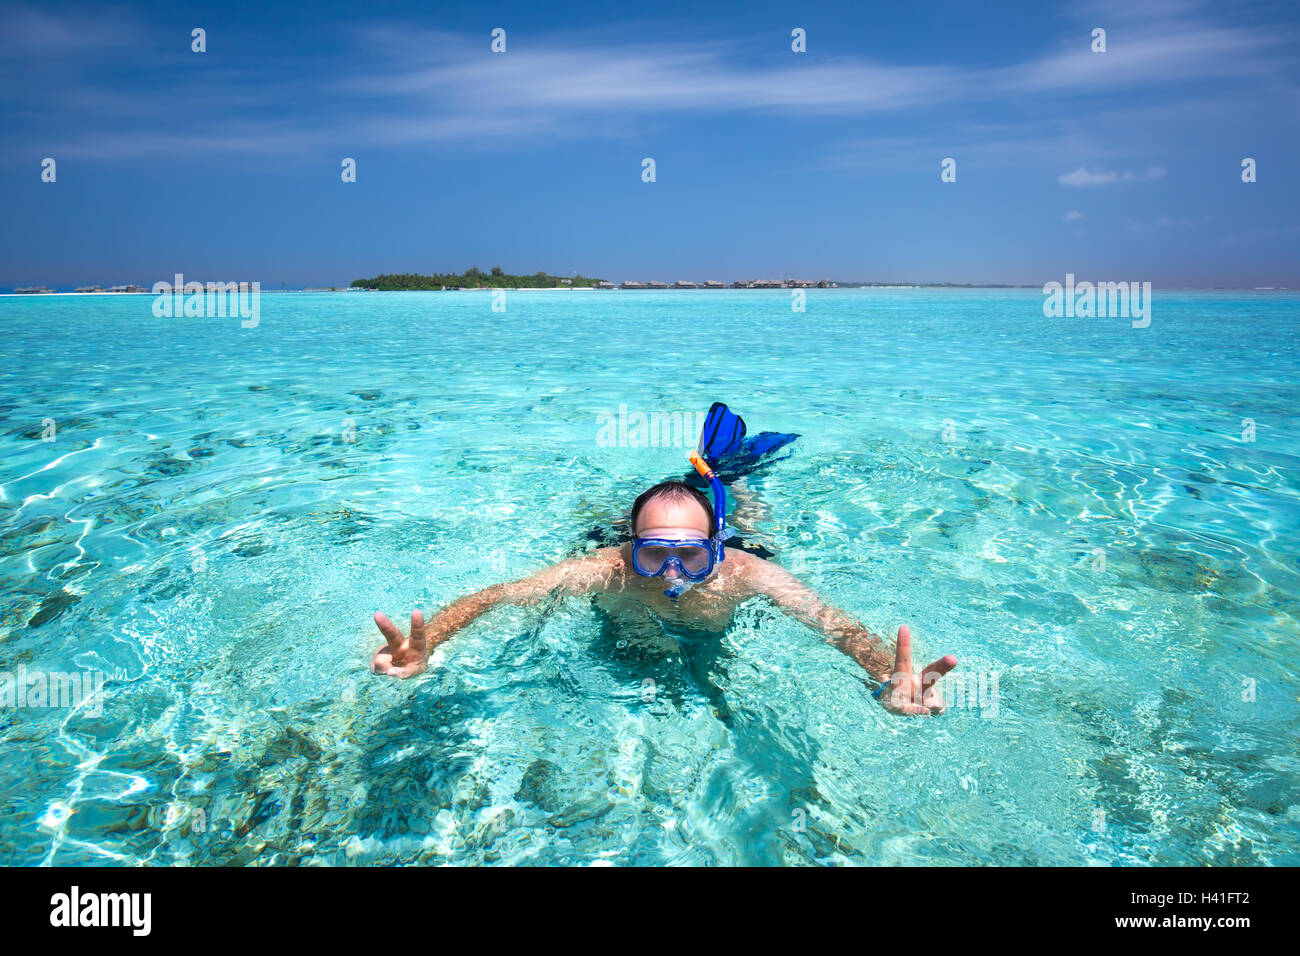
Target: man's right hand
x,y
910,692
402,656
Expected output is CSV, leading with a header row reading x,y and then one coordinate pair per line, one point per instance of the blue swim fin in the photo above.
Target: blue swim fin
x,y
767,443
729,452
723,433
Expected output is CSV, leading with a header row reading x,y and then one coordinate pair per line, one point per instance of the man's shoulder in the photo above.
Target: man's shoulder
x,y
760,573
745,564
611,558
586,571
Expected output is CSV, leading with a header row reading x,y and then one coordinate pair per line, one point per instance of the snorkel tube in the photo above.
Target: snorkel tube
x,y
719,502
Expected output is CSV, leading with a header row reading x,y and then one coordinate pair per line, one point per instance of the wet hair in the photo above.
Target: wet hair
x,y
672,491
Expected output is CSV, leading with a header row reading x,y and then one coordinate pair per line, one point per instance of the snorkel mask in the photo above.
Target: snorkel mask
x,y
684,562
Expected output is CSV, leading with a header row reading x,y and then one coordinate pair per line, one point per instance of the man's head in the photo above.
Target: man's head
x,y
672,509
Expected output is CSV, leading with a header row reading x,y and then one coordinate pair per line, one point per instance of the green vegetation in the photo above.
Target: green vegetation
x,y
473,278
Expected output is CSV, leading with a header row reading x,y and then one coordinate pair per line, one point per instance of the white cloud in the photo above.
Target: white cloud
x,y
1074,216
1084,176
398,84
1088,177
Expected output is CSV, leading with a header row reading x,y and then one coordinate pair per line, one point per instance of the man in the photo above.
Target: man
x,y
675,544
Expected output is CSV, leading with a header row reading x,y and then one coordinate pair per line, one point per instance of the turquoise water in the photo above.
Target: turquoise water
x,y
1067,505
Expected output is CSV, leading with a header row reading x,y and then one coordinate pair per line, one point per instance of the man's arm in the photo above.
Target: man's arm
x,y
801,602
404,656
908,693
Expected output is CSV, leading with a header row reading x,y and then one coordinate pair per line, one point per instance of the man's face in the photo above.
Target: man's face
x,y
671,518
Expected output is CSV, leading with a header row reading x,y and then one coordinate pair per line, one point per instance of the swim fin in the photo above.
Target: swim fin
x,y
722,434
724,445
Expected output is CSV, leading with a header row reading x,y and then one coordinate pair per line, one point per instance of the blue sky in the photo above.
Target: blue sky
x,y
226,165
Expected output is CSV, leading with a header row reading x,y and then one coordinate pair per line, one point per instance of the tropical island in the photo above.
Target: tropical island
x,y
473,278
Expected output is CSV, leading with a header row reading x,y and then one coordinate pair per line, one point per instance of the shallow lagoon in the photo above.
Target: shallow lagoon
x,y
1068,505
